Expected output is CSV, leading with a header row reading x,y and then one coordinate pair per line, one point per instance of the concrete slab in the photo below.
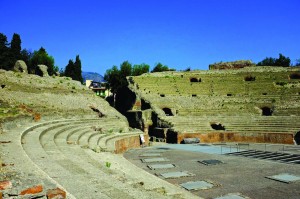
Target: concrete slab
x,y
177,174
161,166
154,160
284,177
210,162
196,185
150,155
198,148
232,196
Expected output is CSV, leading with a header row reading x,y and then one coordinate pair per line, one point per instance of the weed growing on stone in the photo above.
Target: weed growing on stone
x,y
107,164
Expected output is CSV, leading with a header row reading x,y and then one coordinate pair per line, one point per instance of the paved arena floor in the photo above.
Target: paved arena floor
x,y
224,170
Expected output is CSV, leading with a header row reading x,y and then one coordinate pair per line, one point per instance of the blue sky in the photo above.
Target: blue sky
x,y
177,33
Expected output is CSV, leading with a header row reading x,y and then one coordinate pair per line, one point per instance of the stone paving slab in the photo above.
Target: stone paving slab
x,y
161,166
284,177
154,160
150,155
232,196
196,185
210,162
177,174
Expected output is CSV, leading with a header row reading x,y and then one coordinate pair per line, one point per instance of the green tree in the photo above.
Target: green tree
x,y
77,70
139,69
15,47
5,54
160,68
283,61
270,61
26,56
113,77
69,70
73,69
125,69
41,57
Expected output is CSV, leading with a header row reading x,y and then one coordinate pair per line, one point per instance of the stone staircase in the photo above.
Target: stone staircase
x,y
64,152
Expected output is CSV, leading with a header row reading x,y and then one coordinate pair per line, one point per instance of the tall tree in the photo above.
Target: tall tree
x,y
15,47
69,70
26,55
113,77
270,61
73,69
283,61
5,55
160,68
77,69
41,57
140,69
125,70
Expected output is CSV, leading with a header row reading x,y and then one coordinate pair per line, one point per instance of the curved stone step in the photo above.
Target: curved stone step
x,y
66,167
73,168
110,140
115,188
53,162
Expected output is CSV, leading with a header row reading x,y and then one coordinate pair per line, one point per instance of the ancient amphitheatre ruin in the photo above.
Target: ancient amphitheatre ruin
x,y
60,140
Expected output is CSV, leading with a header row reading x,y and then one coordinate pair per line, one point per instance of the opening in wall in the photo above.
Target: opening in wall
x,y
168,111
194,79
249,78
297,138
217,126
294,76
266,111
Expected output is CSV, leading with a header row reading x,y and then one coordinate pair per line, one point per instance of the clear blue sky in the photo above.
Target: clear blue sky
x,y
177,33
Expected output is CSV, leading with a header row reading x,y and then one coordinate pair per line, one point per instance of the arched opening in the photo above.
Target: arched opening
x,y
125,100
295,76
145,105
217,126
297,138
162,95
194,79
229,94
194,95
249,78
168,112
266,111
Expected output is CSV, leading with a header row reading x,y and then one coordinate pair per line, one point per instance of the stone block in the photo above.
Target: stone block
x,y
5,185
32,190
56,194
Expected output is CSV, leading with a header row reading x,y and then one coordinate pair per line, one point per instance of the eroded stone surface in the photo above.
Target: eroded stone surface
x,y
32,190
5,185
56,193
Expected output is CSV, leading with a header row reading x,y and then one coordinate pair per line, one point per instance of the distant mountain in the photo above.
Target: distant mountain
x,y
92,76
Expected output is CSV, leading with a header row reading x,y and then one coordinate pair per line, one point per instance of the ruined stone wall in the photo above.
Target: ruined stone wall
x,y
188,102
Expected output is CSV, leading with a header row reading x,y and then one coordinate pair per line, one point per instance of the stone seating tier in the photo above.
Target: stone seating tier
x,y
248,100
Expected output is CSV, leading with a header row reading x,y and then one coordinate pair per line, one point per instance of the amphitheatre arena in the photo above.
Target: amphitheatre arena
x,y
59,140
